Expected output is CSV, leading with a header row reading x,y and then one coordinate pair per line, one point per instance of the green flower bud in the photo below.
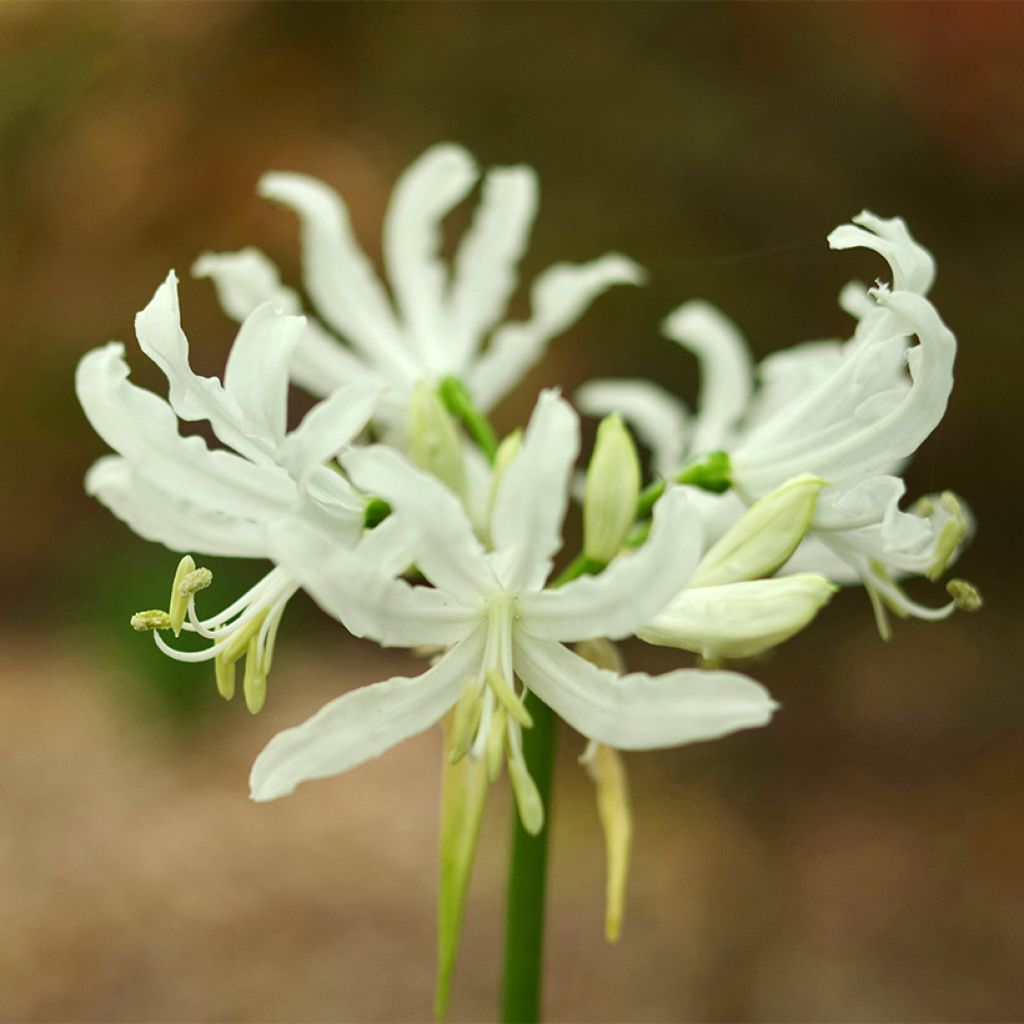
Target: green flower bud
x,y
764,537
612,490
434,438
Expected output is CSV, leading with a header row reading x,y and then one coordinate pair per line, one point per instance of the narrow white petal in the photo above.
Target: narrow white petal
x,y
171,519
361,595
143,428
338,276
158,329
330,427
362,725
256,376
558,298
638,711
485,267
630,592
739,620
425,193
658,417
526,523
726,372
447,552
246,279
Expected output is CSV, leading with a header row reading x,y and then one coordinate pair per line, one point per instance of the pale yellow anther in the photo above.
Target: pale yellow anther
x,y
196,580
254,683
965,595
951,536
465,720
508,698
178,607
226,676
154,619
495,750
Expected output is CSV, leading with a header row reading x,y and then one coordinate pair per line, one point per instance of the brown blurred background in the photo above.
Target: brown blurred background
x,y
858,860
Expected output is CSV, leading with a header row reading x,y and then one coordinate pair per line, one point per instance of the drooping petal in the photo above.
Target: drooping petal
x,y
246,279
658,417
360,595
256,375
558,298
447,552
143,428
338,276
738,620
330,427
171,519
485,266
630,592
726,372
362,724
530,504
424,194
638,711
913,267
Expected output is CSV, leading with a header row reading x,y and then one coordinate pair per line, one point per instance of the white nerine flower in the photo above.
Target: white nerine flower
x,y
440,320
178,491
501,622
849,413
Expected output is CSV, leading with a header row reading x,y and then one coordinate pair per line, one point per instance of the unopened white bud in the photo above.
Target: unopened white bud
x,y
611,491
739,620
764,537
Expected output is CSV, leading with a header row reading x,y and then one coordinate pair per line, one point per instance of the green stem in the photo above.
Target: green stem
x,y
459,402
527,872
527,880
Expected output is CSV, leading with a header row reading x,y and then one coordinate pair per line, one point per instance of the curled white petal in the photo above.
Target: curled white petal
x,y
726,373
485,266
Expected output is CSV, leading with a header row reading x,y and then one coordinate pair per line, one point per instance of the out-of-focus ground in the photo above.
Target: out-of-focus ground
x,y
857,860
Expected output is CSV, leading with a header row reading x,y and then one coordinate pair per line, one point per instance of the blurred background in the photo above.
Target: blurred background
x,y
858,860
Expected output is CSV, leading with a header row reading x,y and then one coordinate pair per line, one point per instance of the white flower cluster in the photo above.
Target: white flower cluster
x,y
395,506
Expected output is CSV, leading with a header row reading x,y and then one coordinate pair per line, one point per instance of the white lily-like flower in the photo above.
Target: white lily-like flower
x,y
501,623
178,491
441,318
849,413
